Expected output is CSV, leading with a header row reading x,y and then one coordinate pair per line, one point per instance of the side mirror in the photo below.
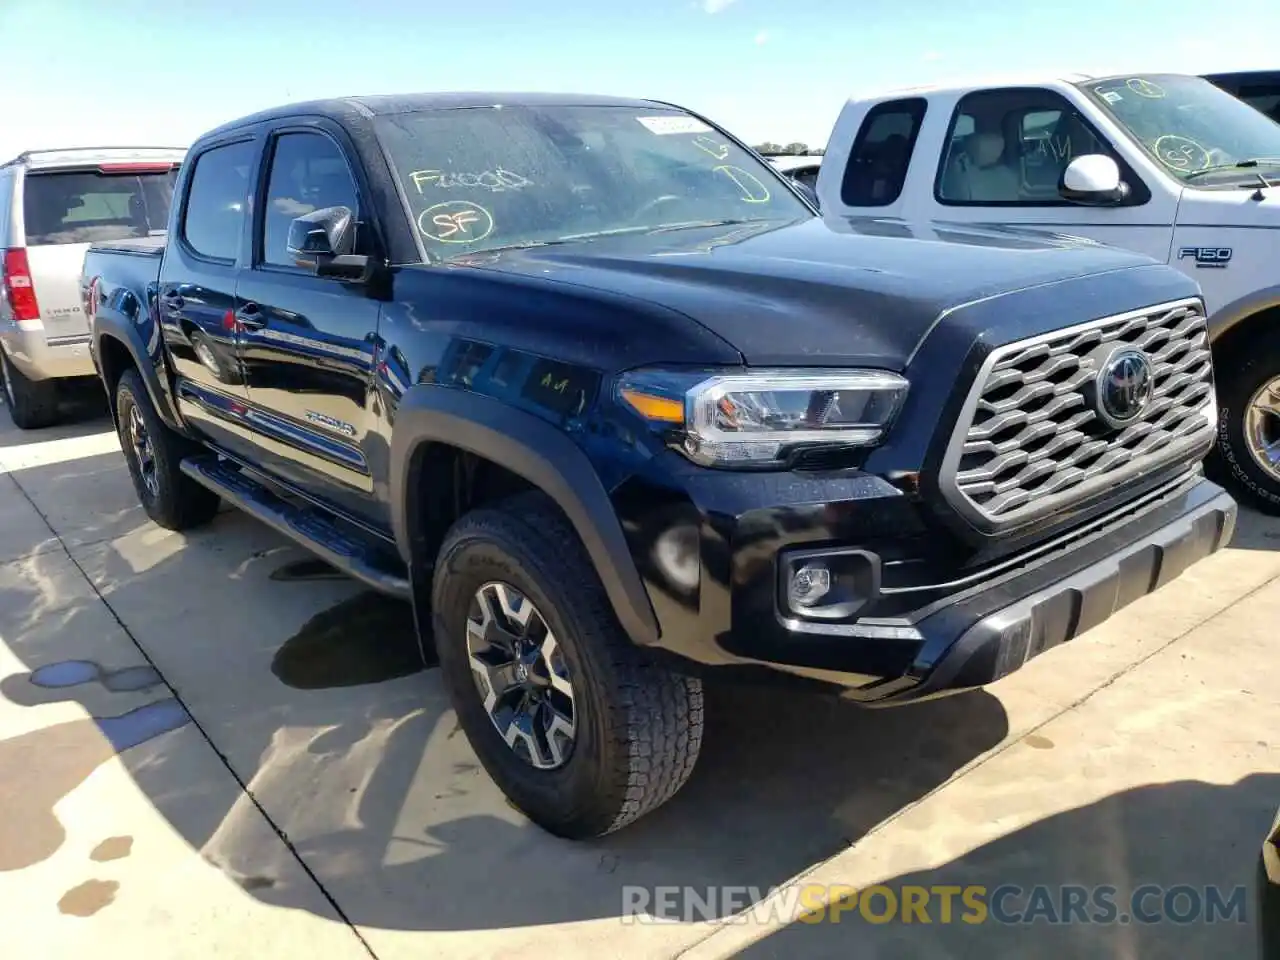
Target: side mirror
x,y
323,241
1093,179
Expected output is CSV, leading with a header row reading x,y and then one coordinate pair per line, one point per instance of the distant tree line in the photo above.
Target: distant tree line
x,y
794,149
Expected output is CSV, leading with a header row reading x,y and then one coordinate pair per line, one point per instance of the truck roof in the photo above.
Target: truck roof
x,y
341,108
93,156
962,86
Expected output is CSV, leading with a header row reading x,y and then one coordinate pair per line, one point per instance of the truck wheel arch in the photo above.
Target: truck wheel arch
x,y
429,416
1232,324
118,347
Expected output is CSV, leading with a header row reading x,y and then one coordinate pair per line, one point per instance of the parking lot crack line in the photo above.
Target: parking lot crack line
x,y
195,722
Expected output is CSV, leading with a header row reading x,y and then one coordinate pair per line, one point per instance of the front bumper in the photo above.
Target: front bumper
x,y
988,636
938,621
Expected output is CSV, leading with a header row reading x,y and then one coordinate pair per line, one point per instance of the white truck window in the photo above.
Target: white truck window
x,y
1011,146
881,152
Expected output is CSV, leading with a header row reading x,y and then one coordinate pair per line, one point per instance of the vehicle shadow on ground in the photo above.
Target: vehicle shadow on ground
x,y
1256,531
1165,851
349,746
82,412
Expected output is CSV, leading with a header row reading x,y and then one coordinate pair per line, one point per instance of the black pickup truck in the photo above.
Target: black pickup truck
x,y
593,387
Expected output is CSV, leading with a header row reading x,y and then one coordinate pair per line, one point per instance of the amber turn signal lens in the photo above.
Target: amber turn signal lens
x,y
652,407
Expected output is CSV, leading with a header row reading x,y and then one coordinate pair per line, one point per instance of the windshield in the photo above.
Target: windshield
x,y
487,177
1189,125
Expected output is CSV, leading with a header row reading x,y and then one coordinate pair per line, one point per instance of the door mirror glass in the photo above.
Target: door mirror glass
x,y
1093,179
321,235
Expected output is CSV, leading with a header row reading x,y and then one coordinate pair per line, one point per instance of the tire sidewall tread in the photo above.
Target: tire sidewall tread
x,y
638,724
1238,378
180,503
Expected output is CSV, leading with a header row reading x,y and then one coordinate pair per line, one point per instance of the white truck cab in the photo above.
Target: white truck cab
x,y
1167,165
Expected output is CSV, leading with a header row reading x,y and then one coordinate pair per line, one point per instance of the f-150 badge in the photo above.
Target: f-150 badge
x,y
1216,257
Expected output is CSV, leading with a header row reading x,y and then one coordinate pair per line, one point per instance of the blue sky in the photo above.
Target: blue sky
x,y
111,71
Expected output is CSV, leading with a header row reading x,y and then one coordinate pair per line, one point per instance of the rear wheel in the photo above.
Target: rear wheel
x,y
1247,458
32,403
581,729
154,453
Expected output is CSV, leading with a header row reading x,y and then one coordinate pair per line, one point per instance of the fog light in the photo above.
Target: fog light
x,y
810,584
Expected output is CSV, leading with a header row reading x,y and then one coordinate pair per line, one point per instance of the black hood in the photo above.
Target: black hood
x,y
813,292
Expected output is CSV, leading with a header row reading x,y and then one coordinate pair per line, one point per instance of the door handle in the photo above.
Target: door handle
x,y
251,317
173,301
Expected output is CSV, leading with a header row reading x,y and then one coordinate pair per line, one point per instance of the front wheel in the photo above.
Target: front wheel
x,y
581,729
1247,458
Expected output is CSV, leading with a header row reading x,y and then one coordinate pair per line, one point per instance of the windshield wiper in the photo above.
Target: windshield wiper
x,y
1238,165
618,231
660,228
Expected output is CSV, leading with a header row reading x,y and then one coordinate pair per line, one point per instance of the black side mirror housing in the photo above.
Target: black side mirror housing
x,y
323,241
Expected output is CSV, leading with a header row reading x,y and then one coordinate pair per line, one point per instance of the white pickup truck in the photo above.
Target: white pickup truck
x,y
1167,165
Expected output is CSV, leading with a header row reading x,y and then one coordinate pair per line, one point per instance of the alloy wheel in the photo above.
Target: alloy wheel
x,y
143,451
521,675
1262,428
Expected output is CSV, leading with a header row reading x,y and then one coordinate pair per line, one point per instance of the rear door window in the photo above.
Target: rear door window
x,y
216,200
881,153
88,206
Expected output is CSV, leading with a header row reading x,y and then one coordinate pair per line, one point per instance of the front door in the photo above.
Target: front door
x,y
307,343
1003,161
196,299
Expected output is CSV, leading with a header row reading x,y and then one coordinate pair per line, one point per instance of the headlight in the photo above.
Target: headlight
x,y
760,418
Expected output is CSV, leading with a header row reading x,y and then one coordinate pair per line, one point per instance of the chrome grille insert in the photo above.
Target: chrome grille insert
x,y
1029,439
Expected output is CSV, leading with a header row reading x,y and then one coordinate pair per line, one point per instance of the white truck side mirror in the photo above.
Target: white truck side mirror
x,y
1093,179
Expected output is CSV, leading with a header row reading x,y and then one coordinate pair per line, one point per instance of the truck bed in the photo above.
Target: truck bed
x,y
138,247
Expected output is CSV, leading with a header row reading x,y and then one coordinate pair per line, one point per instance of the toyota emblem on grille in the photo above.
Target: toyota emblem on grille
x,y
1125,386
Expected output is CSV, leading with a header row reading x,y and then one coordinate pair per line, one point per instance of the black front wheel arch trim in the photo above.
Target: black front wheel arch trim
x,y
533,449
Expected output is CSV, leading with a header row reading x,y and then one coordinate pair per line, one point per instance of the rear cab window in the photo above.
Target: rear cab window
x,y
485,177
881,153
99,204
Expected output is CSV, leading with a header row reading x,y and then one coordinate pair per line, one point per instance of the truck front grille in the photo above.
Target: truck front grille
x,y
1031,438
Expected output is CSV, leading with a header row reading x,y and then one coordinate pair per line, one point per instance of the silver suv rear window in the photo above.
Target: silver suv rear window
x,y
89,207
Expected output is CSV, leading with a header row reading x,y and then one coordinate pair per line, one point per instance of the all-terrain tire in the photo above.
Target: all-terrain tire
x,y
1239,376
32,403
173,500
638,724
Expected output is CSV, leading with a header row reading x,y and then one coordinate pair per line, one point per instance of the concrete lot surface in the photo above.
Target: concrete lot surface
x,y
204,753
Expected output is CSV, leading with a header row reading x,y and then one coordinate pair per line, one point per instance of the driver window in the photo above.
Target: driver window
x,y
1010,147
308,173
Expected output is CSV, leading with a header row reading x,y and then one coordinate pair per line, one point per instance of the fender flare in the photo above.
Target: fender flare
x,y
106,326
540,453
1226,318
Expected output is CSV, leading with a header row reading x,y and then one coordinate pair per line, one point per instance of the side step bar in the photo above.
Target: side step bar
x,y
310,527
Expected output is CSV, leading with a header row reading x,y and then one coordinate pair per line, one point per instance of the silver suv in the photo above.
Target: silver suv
x,y
53,204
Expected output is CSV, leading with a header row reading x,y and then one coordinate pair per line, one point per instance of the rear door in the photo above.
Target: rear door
x,y
63,211
197,295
